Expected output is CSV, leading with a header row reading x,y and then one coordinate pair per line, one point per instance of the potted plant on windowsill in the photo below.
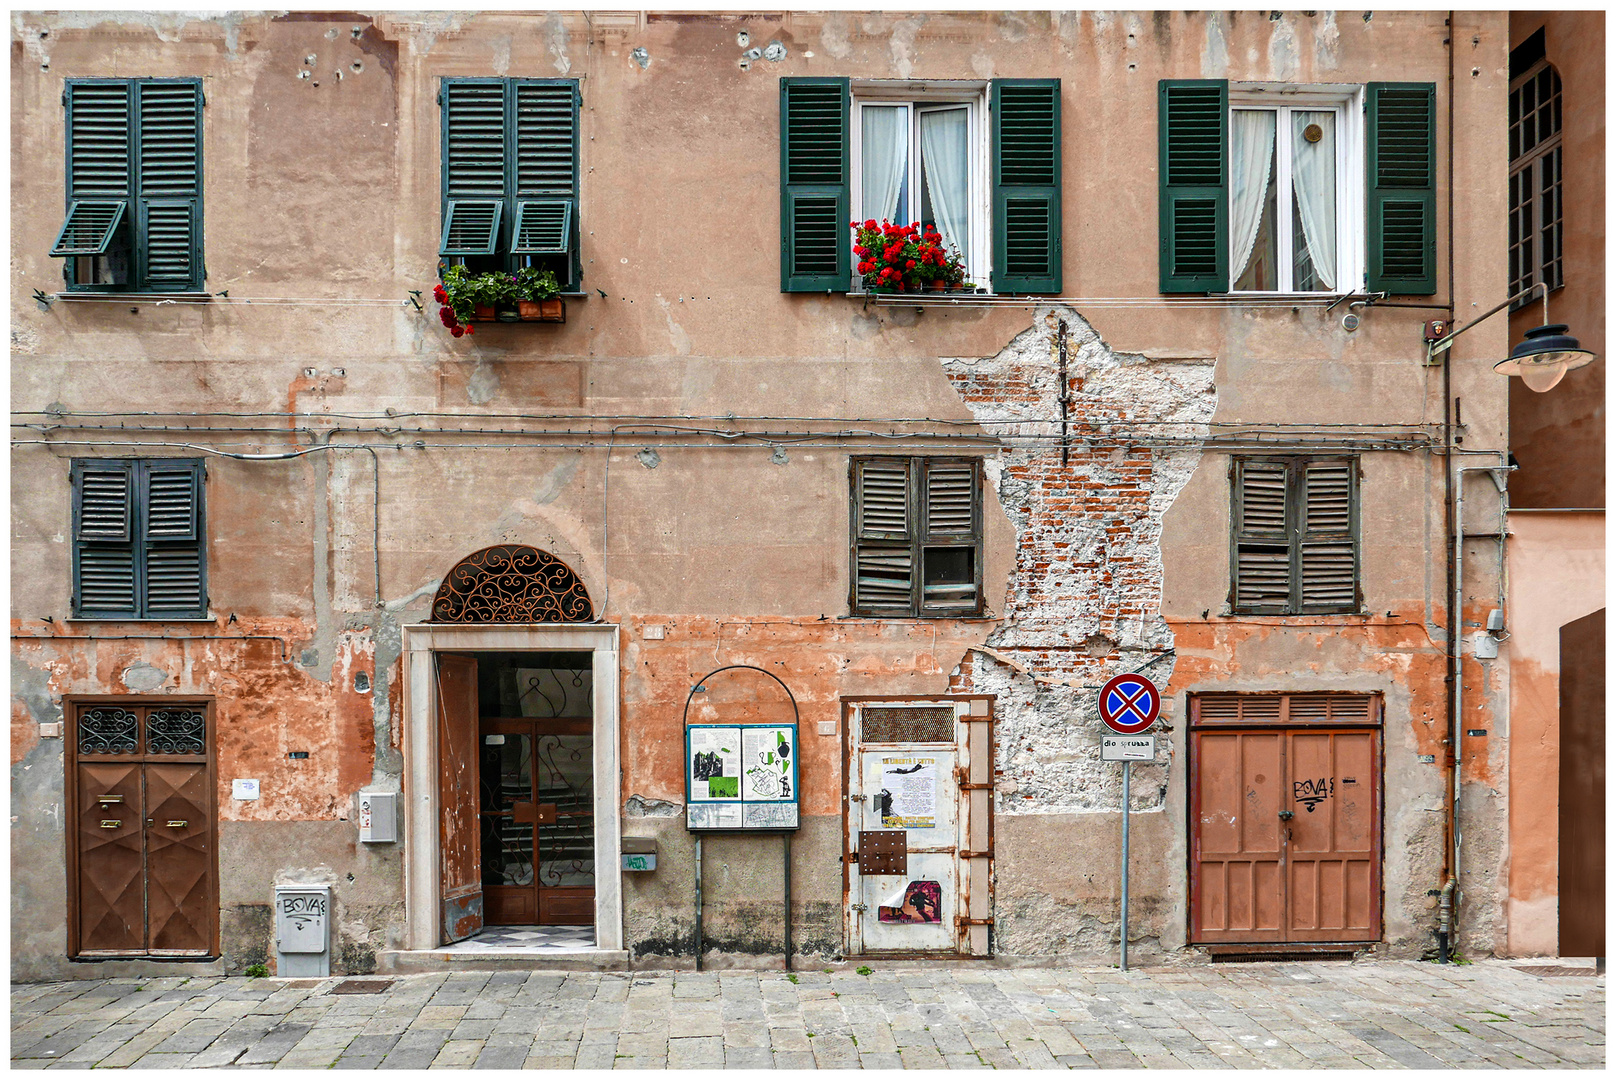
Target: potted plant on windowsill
x,y
904,258
538,296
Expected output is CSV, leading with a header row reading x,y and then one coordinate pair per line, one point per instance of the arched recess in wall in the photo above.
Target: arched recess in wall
x,y
511,583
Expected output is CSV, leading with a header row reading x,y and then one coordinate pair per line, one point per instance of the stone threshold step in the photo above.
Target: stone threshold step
x,y
416,961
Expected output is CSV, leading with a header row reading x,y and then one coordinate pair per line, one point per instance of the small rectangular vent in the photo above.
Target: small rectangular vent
x,y
907,724
1279,957
1311,708
362,986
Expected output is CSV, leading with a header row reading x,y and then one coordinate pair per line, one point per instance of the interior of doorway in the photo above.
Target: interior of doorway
x,y
536,795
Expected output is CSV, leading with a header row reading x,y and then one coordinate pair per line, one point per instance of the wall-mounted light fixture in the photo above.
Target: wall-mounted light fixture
x,y
1542,360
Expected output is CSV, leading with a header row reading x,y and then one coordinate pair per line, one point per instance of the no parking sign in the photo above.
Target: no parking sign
x,y
1129,704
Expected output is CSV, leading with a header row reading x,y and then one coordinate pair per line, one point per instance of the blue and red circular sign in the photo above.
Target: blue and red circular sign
x,y
1129,704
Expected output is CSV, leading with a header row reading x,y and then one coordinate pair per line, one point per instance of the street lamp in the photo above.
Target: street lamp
x,y
1542,359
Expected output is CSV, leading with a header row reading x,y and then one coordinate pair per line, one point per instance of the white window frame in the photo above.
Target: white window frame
x,y
919,96
1348,103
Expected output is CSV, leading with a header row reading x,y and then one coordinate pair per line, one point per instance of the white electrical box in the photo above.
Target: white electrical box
x,y
378,817
303,930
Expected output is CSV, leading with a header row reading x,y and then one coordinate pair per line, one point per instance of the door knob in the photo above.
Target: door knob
x,y
1286,815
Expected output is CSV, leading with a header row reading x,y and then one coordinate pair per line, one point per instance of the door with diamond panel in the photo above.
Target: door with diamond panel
x,y
143,863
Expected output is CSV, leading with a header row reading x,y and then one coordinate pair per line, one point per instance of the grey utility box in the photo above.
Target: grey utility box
x,y
378,817
303,930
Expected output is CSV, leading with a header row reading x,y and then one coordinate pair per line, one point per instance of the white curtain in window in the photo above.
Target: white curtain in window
x,y
1252,145
945,155
1313,177
885,146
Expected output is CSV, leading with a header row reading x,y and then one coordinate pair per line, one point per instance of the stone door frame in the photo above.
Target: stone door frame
x,y
420,796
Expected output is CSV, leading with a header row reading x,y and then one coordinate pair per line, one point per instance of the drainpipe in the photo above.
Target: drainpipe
x,y
698,901
1450,759
1444,928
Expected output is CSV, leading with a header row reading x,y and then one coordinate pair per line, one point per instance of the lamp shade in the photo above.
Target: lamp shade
x,y
1544,357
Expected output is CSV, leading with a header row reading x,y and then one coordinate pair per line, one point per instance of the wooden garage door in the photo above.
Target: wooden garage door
x,y
1285,817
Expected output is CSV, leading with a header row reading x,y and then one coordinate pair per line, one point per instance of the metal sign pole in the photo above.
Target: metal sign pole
x,y
1127,768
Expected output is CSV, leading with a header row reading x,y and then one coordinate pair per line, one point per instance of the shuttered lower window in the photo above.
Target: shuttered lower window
x,y
139,539
134,185
1295,547
510,175
917,537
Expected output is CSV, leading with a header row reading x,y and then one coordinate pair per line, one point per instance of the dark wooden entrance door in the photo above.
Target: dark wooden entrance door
x,y
1582,786
143,868
459,850
1285,840
538,821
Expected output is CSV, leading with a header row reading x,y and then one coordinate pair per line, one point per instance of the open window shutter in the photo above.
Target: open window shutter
x,y
98,169
884,570
1329,577
1192,122
1026,185
1401,179
815,241
545,217
90,228
1262,562
173,538
103,538
170,176
474,188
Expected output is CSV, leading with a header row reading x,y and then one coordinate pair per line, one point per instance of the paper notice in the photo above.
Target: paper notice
x,y
715,763
908,796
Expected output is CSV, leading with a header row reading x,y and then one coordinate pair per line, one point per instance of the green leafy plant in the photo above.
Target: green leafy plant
x,y
864,970
791,977
257,971
533,284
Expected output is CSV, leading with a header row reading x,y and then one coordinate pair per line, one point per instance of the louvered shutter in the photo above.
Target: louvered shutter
x,y
1026,185
546,167
474,169
884,573
98,169
815,241
1192,122
1262,556
103,539
172,534
169,172
948,551
1329,574
1401,180
950,503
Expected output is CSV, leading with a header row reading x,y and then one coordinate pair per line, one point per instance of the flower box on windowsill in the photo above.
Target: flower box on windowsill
x,y
552,310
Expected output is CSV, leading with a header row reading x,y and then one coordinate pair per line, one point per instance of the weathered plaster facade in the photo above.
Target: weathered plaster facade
x,y
682,442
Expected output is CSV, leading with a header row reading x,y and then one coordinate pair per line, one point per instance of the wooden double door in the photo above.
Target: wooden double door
x,y
142,858
1285,835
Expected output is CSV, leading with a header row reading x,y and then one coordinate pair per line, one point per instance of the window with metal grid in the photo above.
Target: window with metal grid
x,y
1536,158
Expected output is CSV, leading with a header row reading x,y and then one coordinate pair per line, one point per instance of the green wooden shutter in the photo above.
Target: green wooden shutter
x,y
99,162
103,539
169,173
474,140
883,560
1328,560
544,173
815,241
1262,537
172,534
1192,124
1401,181
1026,185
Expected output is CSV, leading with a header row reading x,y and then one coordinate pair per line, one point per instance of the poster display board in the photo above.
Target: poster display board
x,y
741,777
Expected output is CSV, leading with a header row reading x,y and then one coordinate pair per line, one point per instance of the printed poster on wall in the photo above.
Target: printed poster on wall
x,y
766,754
908,796
715,763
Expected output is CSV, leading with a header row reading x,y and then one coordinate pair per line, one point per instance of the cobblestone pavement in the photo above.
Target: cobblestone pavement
x,y
1377,1014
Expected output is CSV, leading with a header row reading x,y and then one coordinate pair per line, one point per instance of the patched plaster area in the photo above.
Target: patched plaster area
x,y
1084,601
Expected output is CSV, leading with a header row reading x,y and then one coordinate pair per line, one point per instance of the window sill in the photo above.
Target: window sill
x,y
131,619
1282,618
920,618
121,295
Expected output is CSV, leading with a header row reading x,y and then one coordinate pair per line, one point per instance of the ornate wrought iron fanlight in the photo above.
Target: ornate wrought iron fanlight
x,y
511,583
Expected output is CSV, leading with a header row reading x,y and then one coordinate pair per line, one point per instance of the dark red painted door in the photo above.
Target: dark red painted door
x,y
1238,844
1332,850
459,842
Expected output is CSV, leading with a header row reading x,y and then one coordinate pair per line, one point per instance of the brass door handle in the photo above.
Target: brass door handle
x,y
107,824
104,799
178,824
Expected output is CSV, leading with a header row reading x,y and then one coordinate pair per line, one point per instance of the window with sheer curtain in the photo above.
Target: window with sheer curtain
x,y
1286,211
916,161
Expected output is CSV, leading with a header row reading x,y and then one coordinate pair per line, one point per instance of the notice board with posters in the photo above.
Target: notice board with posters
x,y
741,777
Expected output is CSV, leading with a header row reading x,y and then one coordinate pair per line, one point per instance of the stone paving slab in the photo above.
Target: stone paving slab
x,y
1368,1014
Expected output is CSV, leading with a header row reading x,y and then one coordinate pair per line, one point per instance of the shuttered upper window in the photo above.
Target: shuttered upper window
x,y
1294,193
510,175
139,539
1295,548
911,152
134,185
917,536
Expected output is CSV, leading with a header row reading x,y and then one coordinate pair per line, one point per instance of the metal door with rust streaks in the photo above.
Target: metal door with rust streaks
x,y
459,831
1238,872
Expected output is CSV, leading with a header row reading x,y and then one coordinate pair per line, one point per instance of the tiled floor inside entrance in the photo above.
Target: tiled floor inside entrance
x,y
545,938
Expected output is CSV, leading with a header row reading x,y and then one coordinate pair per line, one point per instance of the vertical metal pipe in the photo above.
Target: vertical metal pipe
x,y
1127,768
787,838
1065,444
698,901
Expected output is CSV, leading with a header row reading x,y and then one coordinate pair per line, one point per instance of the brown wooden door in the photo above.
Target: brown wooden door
x,y
538,821
459,846
1582,786
1286,844
143,866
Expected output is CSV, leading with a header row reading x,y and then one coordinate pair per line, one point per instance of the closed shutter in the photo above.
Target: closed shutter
x,y
883,552
1329,563
1192,121
950,576
815,241
1401,180
1262,563
170,178
172,491
1026,185
103,539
